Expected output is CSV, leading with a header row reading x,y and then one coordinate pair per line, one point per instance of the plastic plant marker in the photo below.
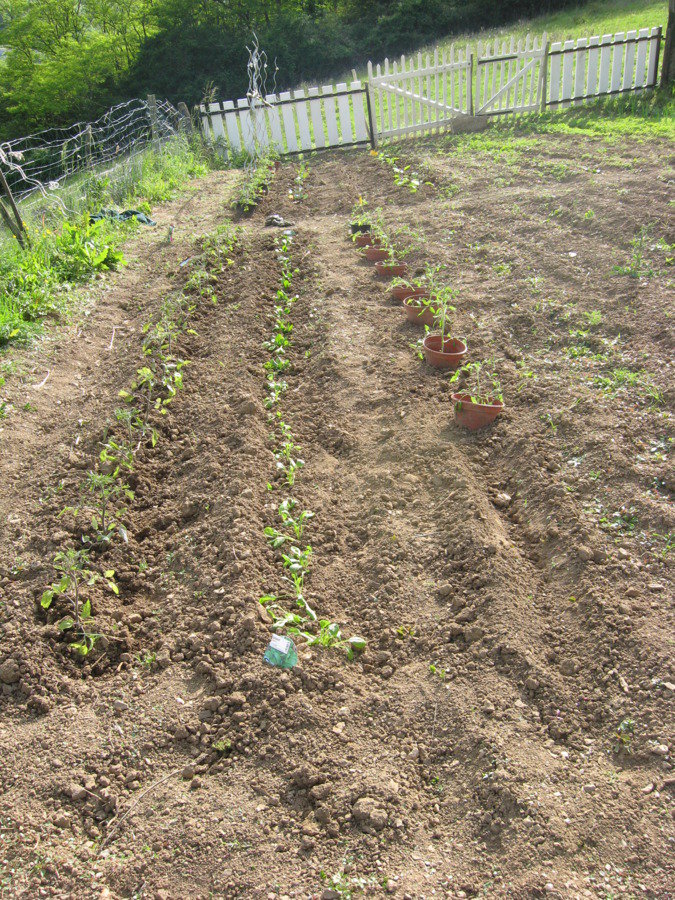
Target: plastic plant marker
x,y
281,652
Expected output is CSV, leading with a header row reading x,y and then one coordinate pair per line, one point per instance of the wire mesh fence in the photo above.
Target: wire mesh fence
x,y
56,167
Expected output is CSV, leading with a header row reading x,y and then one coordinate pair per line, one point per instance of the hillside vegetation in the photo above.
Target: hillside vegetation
x,y
71,59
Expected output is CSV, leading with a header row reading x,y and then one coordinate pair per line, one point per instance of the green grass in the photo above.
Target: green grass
x,y
66,250
511,140
597,17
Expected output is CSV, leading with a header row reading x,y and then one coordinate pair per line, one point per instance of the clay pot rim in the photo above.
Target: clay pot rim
x,y
385,264
466,398
436,334
412,297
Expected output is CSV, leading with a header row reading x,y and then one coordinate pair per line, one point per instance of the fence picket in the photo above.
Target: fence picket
x,y
629,61
568,65
379,115
345,114
288,119
640,64
605,63
405,102
330,114
593,57
580,72
317,118
246,126
653,56
554,76
532,100
360,130
420,110
617,62
390,98
395,103
275,125
303,120
437,85
216,121
231,125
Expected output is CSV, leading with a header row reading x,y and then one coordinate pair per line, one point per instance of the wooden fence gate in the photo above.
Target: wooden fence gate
x,y
414,99
511,78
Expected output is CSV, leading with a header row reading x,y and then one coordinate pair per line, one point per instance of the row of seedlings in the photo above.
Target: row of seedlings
x,y
291,612
105,493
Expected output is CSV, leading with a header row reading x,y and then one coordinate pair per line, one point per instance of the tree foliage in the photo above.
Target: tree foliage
x,y
70,59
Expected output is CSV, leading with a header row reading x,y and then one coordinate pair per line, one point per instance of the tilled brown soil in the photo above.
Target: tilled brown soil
x,y
472,750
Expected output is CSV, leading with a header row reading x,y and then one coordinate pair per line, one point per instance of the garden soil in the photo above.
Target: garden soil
x,y
508,730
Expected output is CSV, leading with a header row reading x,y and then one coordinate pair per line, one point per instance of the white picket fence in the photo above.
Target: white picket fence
x,y
305,120
603,66
425,95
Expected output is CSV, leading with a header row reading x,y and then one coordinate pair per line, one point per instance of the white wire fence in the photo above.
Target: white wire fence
x,y
59,167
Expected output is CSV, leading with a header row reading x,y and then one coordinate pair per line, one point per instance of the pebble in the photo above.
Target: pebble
x,y
9,672
660,750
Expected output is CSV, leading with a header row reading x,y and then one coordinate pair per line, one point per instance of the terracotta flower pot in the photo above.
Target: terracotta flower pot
x,y
401,291
417,314
475,415
443,353
367,240
390,269
362,228
376,254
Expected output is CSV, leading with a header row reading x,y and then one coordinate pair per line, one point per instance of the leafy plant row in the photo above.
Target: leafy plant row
x,y
290,610
257,176
105,493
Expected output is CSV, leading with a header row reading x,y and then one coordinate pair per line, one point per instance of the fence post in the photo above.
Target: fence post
x,y
544,76
87,139
185,120
369,104
668,70
469,87
18,229
152,112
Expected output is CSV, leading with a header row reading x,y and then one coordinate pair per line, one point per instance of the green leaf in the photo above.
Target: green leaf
x,y
85,612
357,643
65,623
46,599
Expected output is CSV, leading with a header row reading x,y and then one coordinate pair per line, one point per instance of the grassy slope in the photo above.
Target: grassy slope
x,y
597,17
